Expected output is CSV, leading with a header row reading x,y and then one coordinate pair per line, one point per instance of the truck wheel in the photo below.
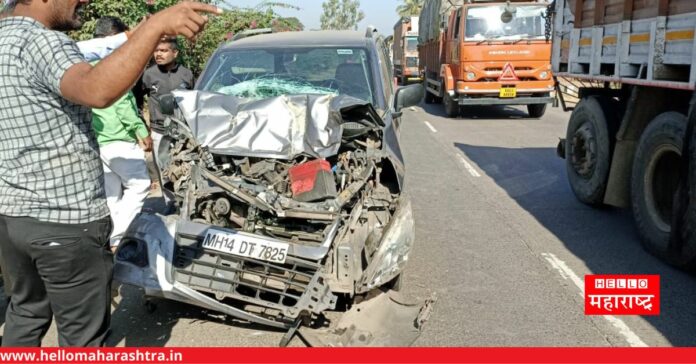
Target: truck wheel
x,y
536,111
588,151
429,97
655,179
684,256
451,106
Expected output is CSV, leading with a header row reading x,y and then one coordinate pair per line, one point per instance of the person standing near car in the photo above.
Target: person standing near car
x,y
54,219
161,79
123,140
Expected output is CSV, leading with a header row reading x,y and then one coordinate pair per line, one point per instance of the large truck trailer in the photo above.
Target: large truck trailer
x,y
475,52
632,67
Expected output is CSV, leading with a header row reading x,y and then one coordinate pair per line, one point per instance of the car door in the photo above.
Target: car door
x,y
387,80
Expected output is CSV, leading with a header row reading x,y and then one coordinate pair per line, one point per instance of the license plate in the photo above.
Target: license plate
x,y
244,245
508,92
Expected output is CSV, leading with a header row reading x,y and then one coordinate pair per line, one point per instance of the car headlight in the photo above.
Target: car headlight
x,y
470,76
392,254
544,75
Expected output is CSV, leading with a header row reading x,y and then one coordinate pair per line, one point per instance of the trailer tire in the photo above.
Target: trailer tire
x,y
536,111
588,151
451,106
654,181
684,256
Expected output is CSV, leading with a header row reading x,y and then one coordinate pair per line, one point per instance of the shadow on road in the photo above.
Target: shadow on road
x,y
479,112
135,324
604,239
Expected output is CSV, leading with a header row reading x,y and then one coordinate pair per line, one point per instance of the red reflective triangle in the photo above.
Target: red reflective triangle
x,y
508,73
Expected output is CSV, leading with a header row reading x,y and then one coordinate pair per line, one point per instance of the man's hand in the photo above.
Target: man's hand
x,y
101,85
146,143
140,25
183,19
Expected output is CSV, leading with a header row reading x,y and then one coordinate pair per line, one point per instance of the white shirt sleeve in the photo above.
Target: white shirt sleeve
x,y
98,48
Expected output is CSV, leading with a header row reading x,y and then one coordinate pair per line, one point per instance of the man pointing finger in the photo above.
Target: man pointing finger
x,y
54,220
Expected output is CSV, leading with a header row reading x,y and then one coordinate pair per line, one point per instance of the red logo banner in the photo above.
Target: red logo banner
x,y
622,295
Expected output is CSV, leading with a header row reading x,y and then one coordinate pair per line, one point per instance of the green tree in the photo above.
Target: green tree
x,y
195,53
410,8
341,14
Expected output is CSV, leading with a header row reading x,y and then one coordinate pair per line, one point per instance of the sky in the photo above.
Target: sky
x,y
380,13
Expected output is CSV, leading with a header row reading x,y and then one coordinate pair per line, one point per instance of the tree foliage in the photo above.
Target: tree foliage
x,y
410,8
194,54
341,14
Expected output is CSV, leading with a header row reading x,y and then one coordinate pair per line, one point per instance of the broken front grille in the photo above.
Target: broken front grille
x,y
289,288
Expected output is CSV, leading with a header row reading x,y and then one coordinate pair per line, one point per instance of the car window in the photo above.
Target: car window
x,y
263,73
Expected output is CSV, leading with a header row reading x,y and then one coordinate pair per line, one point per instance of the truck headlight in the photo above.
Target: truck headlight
x,y
544,75
470,76
392,254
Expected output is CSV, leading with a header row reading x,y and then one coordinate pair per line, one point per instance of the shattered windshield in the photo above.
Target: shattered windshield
x,y
266,73
484,23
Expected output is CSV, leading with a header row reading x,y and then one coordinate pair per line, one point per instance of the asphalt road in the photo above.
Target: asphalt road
x,y
501,241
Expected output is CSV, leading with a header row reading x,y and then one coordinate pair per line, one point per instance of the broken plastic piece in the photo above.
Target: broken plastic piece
x,y
312,181
387,320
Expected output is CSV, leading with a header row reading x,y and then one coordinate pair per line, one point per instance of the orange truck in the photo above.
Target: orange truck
x,y
405,50
486,53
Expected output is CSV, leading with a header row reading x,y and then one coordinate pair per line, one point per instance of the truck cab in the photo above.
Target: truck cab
x,y
405,50
490,53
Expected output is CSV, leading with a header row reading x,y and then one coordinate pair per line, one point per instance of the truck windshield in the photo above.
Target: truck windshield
x,y
412,44
484,23
265,73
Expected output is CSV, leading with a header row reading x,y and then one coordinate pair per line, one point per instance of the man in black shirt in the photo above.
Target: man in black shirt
x,y
161,79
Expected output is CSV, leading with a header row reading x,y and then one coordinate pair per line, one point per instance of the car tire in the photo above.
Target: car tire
x,y
536,111
451,106
654,181
588,151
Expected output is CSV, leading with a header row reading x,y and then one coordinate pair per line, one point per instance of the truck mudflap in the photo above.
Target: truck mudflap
x,y
387,320
502,101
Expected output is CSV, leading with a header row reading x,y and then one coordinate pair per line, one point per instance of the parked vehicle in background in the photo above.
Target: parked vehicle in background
x,y
405,50
632,63
486,53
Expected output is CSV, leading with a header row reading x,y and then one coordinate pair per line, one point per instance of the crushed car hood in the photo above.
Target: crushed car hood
x,y
281,127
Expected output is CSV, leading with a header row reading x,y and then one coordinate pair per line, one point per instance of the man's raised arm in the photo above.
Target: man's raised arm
x,y
101,85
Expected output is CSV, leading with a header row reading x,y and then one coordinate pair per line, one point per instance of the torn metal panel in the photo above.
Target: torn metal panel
x,y
384,321
281,127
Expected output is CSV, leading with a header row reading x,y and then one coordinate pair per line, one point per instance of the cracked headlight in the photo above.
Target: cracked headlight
x,y
392,254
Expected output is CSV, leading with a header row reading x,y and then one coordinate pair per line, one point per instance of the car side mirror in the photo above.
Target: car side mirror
x,y
167,104
408,96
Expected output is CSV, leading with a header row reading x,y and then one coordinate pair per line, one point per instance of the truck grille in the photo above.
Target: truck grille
x,y
289,288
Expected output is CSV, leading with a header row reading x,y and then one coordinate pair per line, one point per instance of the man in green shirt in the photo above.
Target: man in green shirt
x,y
123,139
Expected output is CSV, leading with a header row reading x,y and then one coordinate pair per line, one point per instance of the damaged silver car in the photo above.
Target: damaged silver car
x,y
287,179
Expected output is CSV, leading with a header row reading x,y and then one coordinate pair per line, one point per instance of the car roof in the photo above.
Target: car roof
x,y
325,38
